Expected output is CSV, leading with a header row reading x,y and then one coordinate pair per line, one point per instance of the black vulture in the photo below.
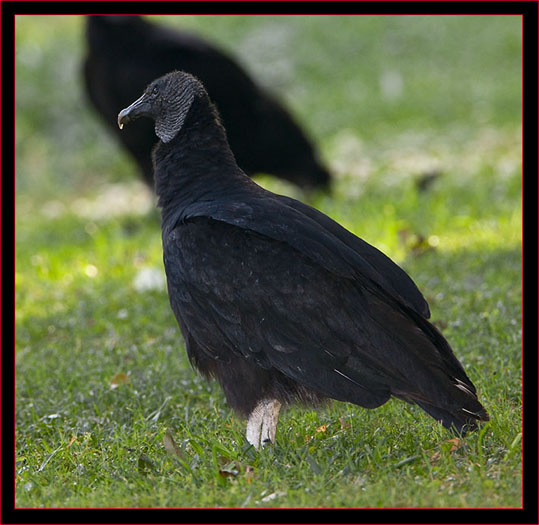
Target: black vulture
x,y
125,53
275,299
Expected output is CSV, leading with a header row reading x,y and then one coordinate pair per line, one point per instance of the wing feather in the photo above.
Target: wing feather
x,y
245,294
315,235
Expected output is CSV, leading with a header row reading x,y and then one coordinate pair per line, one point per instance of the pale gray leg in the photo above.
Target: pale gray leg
x,y
262,422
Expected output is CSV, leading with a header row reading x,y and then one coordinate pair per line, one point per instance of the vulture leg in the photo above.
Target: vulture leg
x,y
262,423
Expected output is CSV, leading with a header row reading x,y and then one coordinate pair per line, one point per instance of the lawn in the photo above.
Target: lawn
x,y
109,412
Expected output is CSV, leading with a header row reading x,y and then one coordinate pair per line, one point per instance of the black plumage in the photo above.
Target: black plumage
x,y
125,53
274,298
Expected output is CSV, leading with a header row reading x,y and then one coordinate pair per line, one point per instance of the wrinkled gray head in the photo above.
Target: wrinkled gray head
x,y
167,100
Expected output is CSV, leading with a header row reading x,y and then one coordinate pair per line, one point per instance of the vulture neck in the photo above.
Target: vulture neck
x,y
197,164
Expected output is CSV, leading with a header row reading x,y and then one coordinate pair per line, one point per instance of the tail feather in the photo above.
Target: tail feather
x,y
461,420
438,382
460,409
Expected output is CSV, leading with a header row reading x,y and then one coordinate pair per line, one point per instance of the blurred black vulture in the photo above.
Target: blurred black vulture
x,y
276,300
125,53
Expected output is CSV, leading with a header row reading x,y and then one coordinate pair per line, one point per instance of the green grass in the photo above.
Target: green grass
x,y
101,370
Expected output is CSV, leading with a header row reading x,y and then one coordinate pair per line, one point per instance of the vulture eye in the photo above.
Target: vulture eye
x,y
155,92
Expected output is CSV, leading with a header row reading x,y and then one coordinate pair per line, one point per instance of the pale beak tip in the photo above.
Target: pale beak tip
x,y
123,117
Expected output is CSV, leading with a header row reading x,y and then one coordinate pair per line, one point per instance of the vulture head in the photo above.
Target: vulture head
x,y
167,101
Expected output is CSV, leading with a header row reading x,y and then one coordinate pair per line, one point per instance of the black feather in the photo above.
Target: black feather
x,y
125,53
278,301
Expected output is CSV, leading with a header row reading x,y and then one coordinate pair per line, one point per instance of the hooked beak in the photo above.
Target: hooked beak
x,y
139,108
